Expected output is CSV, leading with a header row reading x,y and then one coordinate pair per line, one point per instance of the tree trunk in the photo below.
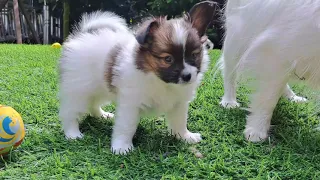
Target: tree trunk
x,y
17,21
66,18
30,25
3,4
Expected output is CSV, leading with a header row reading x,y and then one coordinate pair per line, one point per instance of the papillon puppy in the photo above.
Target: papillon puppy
x,y
269,42
155,69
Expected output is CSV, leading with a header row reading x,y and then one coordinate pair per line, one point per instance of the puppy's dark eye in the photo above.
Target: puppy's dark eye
x,y
168,59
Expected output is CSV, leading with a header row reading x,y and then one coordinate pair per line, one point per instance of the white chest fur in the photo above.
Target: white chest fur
x,y
160,100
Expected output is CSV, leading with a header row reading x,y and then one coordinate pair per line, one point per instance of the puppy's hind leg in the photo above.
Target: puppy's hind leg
x,y
233,48
229,98
270,82
70,112
96,110
262,105
289,94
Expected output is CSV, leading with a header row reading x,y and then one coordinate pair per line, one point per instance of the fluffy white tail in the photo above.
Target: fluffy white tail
x,y
100,20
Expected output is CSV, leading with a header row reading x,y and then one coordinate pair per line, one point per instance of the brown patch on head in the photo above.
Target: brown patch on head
x,y
166,46
159,54
111,63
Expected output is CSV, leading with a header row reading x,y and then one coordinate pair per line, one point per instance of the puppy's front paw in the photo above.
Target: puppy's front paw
x,y
99,113
229,104
121,148
298,99
75,134
190,137
255,135
107,115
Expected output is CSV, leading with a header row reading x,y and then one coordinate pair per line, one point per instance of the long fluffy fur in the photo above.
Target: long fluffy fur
x,y
271,42
99,20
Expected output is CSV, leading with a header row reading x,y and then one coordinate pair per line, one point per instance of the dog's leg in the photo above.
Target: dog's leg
x,y
126,122
271,77
177,124
70,112
262,105
289,94
264,100
229,98
232,49
96,111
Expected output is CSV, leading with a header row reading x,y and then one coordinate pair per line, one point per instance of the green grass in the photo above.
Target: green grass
x,y
29,83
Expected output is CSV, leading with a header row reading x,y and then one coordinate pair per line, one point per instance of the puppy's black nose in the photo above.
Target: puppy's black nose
x,y
186,77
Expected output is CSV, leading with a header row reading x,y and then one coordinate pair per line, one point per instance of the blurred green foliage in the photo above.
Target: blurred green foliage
x,y
134,10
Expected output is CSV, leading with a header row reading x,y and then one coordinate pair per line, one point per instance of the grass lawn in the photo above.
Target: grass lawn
x,y
28,83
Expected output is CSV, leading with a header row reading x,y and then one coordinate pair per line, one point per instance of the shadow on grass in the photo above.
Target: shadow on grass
x,y
151,135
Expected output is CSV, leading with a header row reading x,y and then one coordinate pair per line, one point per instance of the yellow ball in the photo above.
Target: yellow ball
x,y
12,131
56,45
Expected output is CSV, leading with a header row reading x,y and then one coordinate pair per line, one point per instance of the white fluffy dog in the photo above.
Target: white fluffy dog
x,y
269,41
156,70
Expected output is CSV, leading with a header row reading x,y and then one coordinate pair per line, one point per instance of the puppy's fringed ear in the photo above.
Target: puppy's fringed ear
x,y
186,17
145,35
164,18
201,15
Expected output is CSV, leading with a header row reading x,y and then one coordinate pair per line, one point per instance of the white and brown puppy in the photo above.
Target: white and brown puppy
x,y
154,70
270,42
